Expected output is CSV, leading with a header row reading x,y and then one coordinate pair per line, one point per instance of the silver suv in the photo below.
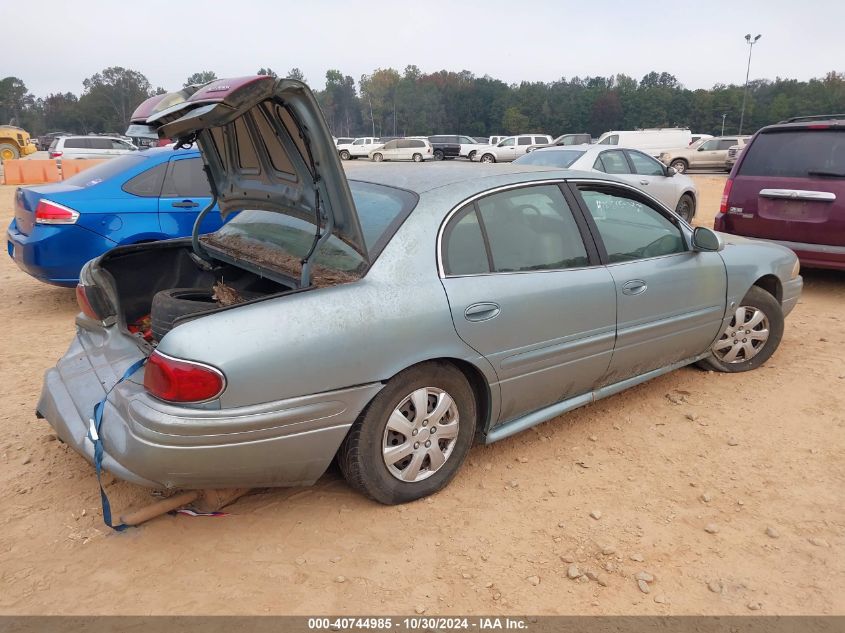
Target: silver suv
x,y
709,154
511,148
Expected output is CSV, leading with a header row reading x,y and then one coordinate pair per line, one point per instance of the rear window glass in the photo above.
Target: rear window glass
x,y
550,158
796,154
98,173
380,211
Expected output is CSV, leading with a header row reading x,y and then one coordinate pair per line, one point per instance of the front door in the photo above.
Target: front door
x,y
506,150
185,193
709,155
670,299
528,293
650,175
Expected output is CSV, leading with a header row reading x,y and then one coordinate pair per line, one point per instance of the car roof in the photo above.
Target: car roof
x,y
423,178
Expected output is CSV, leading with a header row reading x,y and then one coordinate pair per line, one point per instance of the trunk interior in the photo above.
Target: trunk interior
x,y
140,273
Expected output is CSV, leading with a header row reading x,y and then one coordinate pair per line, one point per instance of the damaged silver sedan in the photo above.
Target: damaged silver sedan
x,y
388,321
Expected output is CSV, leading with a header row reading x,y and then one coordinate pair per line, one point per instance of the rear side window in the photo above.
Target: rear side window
x,y
525,229
147,184
100,143
524,140
417,144
727,143
796,154
186,179
76,143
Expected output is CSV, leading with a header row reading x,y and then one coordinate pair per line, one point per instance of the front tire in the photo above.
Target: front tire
x,y
488,158
751,337
8,152
378,157
413,437
438,154
686,208
679,166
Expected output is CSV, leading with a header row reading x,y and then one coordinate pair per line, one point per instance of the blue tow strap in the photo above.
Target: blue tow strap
x,y
94,435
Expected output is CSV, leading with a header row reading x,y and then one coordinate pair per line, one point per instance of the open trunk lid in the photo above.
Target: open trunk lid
x,y
266,146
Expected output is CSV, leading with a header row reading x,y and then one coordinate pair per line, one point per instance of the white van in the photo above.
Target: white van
x,y
653,141
415,149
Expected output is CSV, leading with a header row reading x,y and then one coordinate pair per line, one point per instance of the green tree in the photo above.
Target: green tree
x,y
269,72
295,73
14,100
110,96
200,78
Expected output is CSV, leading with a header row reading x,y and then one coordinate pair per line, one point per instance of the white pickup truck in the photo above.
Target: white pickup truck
x,y
358,148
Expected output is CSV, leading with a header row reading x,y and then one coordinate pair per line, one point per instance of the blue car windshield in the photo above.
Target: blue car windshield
x,y
98,173
561,158
276,240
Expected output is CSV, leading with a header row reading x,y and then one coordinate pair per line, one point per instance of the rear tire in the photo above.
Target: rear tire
x,y
417,158
438,154
679,166
344,155
751,337
488,158
686,208
378,157
8,152
397,466
471,156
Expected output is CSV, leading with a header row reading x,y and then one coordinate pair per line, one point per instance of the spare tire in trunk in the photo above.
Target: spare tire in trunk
x,y
175,303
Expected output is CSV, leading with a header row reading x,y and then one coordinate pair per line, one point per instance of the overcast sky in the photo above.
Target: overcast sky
x,y
58,43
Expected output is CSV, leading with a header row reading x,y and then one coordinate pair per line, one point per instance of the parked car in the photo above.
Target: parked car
x,y
444,146
709,154
564,139
408,333
415,149
43,142
733,154
675,191
358,148
788,186
89,147
510,148
144,196
654,141
14,143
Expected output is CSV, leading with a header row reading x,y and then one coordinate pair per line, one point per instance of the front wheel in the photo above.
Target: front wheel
x,y
378,157
686,207
438,154
417,158
752,336
488,158
413,437
8,152
680,166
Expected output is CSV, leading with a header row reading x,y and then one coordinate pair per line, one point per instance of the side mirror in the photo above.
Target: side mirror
x,y
704,239
671,171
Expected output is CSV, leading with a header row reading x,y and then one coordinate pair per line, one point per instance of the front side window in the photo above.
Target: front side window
x,y
358,141
645,165
186,179
710,145
612,162
629,228
100,143
508,142
391,145
525,229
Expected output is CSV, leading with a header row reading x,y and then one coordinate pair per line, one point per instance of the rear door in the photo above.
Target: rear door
x,y
528,292
790,186
670,299
184,194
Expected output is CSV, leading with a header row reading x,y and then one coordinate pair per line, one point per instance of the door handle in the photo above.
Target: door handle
x,y
634,287
482,311
185,204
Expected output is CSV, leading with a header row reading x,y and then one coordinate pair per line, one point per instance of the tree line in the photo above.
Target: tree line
x,y
389,103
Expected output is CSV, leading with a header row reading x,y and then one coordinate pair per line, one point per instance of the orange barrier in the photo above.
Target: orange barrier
x,y
30,172
73,167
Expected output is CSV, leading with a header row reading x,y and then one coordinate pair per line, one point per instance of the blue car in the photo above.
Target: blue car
x,y
142,197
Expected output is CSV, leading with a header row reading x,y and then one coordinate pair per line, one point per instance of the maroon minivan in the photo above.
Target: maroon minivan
x,y
788,186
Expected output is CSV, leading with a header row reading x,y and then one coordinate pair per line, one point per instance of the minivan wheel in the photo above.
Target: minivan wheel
x,y
679,165
413,437
378,157
417,158
488,158
686,207
344,154
751,337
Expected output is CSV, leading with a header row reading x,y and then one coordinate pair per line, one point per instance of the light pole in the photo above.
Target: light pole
x,y
723,123
751,43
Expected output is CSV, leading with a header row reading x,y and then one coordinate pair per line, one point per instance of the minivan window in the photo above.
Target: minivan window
x,y
76,143
796,154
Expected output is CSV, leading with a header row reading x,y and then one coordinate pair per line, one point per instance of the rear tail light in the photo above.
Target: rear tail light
x,y
48,212
85,303
723,208
55,154
175,380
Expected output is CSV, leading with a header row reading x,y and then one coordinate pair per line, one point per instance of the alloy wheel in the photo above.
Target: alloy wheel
x,y
420,434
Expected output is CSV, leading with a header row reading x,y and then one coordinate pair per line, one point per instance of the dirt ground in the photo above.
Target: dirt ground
x,y
746,453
